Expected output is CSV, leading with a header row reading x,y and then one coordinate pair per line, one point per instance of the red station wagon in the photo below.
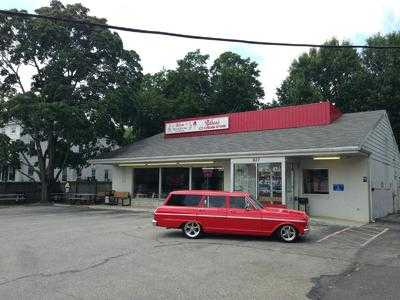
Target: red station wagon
x,y
201,211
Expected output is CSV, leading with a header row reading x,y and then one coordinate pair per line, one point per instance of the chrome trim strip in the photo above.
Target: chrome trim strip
x,y
232,217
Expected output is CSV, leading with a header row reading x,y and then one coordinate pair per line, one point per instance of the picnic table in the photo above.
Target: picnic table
x,y
12,197
81,198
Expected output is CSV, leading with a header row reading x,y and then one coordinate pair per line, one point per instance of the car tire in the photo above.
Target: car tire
x,y
191,230
288,233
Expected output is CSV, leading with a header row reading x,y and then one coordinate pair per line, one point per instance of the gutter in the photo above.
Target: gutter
x,y
291,152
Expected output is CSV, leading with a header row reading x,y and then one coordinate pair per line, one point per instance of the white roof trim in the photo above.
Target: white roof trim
x,y
291,152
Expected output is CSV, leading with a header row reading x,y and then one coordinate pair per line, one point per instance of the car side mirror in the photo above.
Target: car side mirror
x,y
247,206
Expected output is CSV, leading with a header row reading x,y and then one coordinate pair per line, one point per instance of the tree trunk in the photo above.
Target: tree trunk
x,y
45,192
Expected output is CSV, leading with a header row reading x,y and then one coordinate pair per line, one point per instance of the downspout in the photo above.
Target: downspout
x,y
370,206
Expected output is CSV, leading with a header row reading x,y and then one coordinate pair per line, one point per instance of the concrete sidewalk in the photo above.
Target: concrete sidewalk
x,y
149,209
137,204
392,218
335,221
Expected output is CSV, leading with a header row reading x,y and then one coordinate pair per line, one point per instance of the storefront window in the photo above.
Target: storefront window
x,y
208,179
174,179
269,185
245,178
315,181
146,181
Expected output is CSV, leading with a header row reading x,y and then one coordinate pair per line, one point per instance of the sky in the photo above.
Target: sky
x,y
307,21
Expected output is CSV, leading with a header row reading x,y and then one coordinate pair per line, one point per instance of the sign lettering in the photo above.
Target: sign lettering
x,y
217,123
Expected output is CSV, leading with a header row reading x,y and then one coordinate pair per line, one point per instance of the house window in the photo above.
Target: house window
x,y
64,174
93,173
315,181
106,175
4,174
11,174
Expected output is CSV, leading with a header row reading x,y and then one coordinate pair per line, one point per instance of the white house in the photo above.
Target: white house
x,y
14,131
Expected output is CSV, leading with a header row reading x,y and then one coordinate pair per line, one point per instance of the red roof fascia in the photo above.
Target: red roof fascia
x,y
322,113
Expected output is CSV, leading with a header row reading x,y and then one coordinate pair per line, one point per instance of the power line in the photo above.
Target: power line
x,y
189,36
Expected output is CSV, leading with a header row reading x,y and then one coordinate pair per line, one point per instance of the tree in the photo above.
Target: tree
x,y
381,79
192,89
154,107
325,74
235,85
9,153
188,87
83,88
355,81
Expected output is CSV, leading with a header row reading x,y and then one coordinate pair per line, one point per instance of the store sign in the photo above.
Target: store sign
x,y
217,123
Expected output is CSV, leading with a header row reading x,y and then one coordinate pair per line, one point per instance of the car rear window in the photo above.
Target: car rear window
x,y
184,200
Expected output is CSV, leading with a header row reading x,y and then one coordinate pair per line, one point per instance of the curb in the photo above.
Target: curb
x,y
130,209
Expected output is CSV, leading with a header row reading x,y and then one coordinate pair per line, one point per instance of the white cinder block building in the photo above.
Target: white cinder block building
x,y
346,165
14,131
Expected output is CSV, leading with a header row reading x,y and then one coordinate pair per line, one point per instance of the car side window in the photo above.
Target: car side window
x,y
184,200
237,202
215,201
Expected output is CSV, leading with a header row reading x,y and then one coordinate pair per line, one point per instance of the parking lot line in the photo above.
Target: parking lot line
x,y
374,237
333,234
361,232
343,240
369,228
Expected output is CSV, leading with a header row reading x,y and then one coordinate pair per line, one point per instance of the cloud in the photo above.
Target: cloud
x,y
312,21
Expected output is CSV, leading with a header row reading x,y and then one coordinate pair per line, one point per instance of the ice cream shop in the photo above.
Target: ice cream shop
x,y
337,165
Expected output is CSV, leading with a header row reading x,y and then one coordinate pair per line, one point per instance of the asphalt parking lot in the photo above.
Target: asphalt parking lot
x,y
49,252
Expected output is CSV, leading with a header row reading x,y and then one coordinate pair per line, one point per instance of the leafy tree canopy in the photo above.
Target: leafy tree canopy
x,y
83,86
231,84
354,80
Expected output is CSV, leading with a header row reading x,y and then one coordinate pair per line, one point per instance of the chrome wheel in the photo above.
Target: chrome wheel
x,y
288,233
192,230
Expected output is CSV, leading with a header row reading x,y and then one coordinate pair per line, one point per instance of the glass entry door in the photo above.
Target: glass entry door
x,y
269,182
262,180
245,178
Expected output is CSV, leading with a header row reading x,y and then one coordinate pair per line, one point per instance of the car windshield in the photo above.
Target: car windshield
x,y
255,202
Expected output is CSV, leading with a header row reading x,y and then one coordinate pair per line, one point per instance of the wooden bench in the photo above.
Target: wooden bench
x,y
58,197
12,198
86,199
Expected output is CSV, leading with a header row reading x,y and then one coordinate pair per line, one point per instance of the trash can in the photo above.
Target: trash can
x,y
302,204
